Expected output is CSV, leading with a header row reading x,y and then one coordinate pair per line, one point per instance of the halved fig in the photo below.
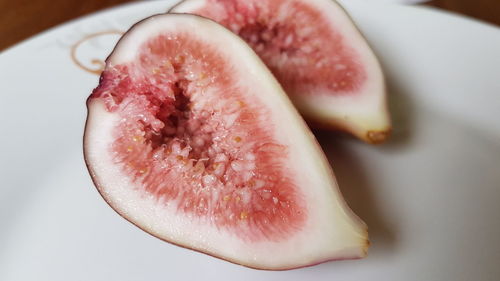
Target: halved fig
x,y
191,138
316,53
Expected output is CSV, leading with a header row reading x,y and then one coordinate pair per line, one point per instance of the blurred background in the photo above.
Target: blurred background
x,y
23,18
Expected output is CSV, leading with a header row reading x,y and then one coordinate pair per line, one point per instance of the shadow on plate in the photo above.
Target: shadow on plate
x,y
350,169
358,190
401,110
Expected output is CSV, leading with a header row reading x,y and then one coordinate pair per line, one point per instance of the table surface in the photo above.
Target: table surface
x,y
21,19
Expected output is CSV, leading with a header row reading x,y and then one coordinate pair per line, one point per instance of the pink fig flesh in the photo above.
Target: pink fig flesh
x,y
191,138
316,53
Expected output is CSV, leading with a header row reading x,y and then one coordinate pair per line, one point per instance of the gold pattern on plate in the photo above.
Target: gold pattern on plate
x,y
98,63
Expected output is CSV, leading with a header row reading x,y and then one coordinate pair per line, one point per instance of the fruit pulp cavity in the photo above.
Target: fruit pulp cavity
x,y
295,40
190,135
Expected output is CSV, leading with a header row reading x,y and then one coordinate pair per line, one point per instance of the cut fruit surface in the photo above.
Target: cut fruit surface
x,y
191,138
316,53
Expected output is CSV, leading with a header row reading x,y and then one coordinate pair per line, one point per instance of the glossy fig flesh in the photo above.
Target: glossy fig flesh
x,y
316,53
191,138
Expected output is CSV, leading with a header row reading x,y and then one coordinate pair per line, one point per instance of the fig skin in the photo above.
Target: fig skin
x,y
317,171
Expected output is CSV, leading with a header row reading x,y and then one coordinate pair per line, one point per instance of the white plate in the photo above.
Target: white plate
x,y
430,196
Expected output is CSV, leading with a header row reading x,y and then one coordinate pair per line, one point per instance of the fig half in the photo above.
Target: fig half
x,y
316,53
191,138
